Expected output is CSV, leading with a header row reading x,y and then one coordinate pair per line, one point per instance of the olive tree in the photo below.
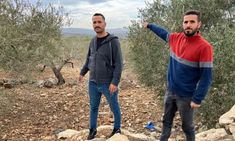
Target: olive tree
x,y
30,35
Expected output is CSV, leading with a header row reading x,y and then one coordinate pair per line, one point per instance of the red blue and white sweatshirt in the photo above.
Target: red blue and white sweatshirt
x,y
190,66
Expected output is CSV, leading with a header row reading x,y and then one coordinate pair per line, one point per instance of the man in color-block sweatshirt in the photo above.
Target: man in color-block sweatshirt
x,y
189,73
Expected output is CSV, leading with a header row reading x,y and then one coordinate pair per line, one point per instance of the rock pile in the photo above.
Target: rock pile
x,y
225,133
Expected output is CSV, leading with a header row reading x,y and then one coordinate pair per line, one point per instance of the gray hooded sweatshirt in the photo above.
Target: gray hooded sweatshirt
x,y
105,63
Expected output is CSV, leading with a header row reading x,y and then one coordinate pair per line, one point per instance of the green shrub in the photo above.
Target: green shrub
x,y
149,57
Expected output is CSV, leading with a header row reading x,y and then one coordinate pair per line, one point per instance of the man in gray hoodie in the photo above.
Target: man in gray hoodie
x,y
104,63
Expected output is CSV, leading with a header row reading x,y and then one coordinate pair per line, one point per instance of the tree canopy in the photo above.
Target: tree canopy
x,y
30,34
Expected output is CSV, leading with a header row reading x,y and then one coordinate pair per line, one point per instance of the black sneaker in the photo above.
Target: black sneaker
x,y
92,134
115,131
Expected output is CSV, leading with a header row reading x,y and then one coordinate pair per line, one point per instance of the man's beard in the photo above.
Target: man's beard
x,y
99,31
189,34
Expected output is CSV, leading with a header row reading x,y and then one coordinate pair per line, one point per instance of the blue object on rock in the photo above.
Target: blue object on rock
x,y
150,126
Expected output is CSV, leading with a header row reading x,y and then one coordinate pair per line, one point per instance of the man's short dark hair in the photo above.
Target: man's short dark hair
x,y
99,14
194,12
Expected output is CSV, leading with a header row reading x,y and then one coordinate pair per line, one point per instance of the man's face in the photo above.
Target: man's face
x,y
98,24
191,25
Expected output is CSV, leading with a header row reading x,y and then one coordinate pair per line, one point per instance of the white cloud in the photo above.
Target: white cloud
x,y
118,13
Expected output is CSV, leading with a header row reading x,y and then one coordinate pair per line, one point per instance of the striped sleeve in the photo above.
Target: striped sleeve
x,y
206,57
205,64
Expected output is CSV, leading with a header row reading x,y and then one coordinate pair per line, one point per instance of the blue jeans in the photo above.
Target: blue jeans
x,y
172,103
95,92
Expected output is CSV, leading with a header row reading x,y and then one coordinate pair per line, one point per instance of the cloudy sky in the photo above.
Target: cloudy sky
x,y
118,13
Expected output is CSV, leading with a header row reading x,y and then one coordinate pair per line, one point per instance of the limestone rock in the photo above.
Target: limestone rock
x,y
212,135
118,137
228,117
67,134
96,139
39,83
140,137
232,129
48,84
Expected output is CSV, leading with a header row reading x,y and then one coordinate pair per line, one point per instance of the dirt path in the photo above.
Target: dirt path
x,y
32,113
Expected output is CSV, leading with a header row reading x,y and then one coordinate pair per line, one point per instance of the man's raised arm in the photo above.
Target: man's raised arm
x,y
159,31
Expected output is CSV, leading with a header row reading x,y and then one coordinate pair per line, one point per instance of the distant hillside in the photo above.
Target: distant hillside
x,y
120,32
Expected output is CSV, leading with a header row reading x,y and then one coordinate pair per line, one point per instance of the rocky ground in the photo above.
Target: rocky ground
x,y
31,112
